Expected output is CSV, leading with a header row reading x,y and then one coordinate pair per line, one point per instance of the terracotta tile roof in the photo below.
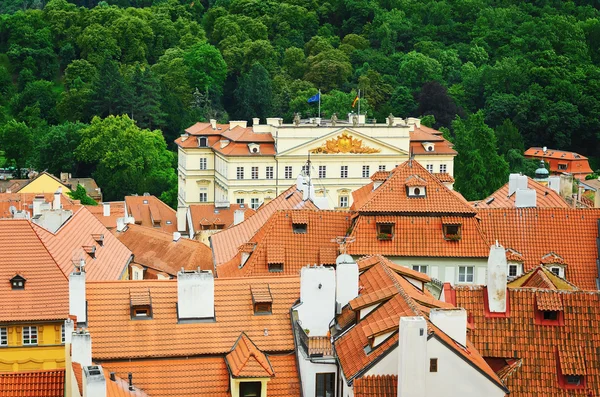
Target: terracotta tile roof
x,y
242,149
444,177
538,346
420,135
225,244
12,185
70,242
206,129
418,236
441,148
116,336
276,242
117,210
376,386
554,154
391,196
547,300
117,388
561,161
319,346
553,259
366,262
572,361
514,256
156,249
46,292
361,195
536,232
378,296
149,211
246,361
545,197
140,297
328,255
261,293
42,383
379,327
239,134
24,201
541,277
207,214
380,175
91,187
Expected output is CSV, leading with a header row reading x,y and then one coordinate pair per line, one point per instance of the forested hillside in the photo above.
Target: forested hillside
x,y
516,73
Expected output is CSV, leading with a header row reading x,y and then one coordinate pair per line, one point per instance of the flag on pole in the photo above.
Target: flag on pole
x,y
315,98
355,100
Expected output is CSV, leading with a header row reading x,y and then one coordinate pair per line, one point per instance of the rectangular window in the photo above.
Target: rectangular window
x,y
443,168
452,232
430,167
365,172
343,201
550,315
555,270
275,267
3,336
433,365
325,386
382,168
203,163
254,203
30,336
305,170
385,231
203,197
420,268
322,171
288,172
344,171
62,333
512,270
269,172
240,173
239,201
465,274
562,166
254,172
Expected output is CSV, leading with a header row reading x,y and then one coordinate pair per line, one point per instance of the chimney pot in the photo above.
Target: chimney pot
x,y
81,348
77,298
318,303
213,124
496,279
255,121
346,279
412,357
57,194
94,383
113,377
106,209
195,294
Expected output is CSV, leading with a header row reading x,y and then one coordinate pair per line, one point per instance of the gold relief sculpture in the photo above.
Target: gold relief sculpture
x,y
344,144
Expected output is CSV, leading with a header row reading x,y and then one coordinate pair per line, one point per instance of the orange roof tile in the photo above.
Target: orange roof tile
x,y
380,175
42,383
328,255
116,336
561,161
242,149
546,300
518,336
206,129
440,148
208,214
117,388
70,242
514,256
392,196
24,201
361,195
378,296
117,210
571,358
46,292
156,249
261,293
539,279
535,232
149,211
376,386
379,327
554,154
444,177
367,262
239,134
225,243
545,197
276,242
246,361
12,185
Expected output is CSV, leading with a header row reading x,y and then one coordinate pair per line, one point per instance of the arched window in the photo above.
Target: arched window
x,y
417,191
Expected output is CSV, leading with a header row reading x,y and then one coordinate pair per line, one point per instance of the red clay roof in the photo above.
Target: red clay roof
x,y
420,135
538,346
366,262
569,161
440,148
225,243
206,129
391,196
75,236
554,154
149,211
239,134
444,177
156,249
208,214
24,201
376,386
12,185
242,149
117,388
42,383
545,197
116,336
246,361
276,242
117,210
46,292
537,232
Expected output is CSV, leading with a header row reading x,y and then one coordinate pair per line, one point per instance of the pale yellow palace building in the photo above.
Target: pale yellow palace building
x,y
234,163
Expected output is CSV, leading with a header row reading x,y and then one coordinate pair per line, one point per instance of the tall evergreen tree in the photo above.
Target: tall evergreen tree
x,y
145,104
254,93
111,93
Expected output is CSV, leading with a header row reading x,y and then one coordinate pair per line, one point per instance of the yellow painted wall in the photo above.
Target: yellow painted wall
x,y
48,354
235,385
44,184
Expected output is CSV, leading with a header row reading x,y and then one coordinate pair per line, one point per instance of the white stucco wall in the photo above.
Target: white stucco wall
x,y
309,371
446,269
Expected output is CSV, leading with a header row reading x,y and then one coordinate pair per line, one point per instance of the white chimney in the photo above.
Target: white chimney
x,y
274,121
317,296
317,120
452,322
57,194
77,301
184,137
195,294
120,224
213,124
81,347
69,328
176,236
182,211
512,183
525,198
300,182
346,280
94,382
237,123
414,121
37,205
238,217
255,121
412,357
106,209
554,183
496,279
545,149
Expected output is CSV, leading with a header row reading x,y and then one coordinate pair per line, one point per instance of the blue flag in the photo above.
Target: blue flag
x,y
314,98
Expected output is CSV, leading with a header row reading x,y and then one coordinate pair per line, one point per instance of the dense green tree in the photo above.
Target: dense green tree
x,y
16,141
56,148
254,93
206,67
80,194
111,94
329,69
145,106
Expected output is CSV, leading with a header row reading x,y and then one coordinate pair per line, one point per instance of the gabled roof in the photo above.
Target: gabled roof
x,y
24,202
156,249
225,243
376,386
545,197
538,346
117,210
89,184
12,185
553,154
541,277
535,232
34,185
150,211
366,262
46,292
40,383
116,336
246,361
208,214
75,236
117,388
392,196
277,242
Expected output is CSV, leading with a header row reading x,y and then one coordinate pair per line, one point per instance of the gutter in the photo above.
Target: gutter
x,y
296,347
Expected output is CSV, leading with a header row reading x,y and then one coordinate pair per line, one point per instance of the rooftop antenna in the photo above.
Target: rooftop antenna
x,y
342,241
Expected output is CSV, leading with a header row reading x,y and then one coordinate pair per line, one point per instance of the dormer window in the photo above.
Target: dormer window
x,y
428,146
299,222
202,141
261,299
571,367
275,258
99,238
452,230
140,304
415,186
254,148
17,282
90,250
385,231
548,308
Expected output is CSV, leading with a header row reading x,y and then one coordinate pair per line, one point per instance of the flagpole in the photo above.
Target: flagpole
x,y
319,103
359,103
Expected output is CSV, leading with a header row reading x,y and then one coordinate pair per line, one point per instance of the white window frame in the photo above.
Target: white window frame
x,y
254,173
513,266
420,268
429,168
322,171
254,203
344,171
269,172
239,201
203,163
239,173
3,336
443,168
463,274
382,167
365,171
287,172
344,201
203,197
30,332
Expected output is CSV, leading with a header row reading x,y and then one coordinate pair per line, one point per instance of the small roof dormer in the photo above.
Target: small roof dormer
x,y
428,146
254,148
18,282
140,304
415,186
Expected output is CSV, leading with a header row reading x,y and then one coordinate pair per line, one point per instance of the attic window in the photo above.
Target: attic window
x,y
571,367
573,379
202,141
385,231
551,315
299,222
275,267
90,250
261,299
562,166
17,282
99,238
254,148
299,228
548,308
452,232
140,304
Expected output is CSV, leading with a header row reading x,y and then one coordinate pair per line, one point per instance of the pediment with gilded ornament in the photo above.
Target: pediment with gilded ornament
x,y
344,143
